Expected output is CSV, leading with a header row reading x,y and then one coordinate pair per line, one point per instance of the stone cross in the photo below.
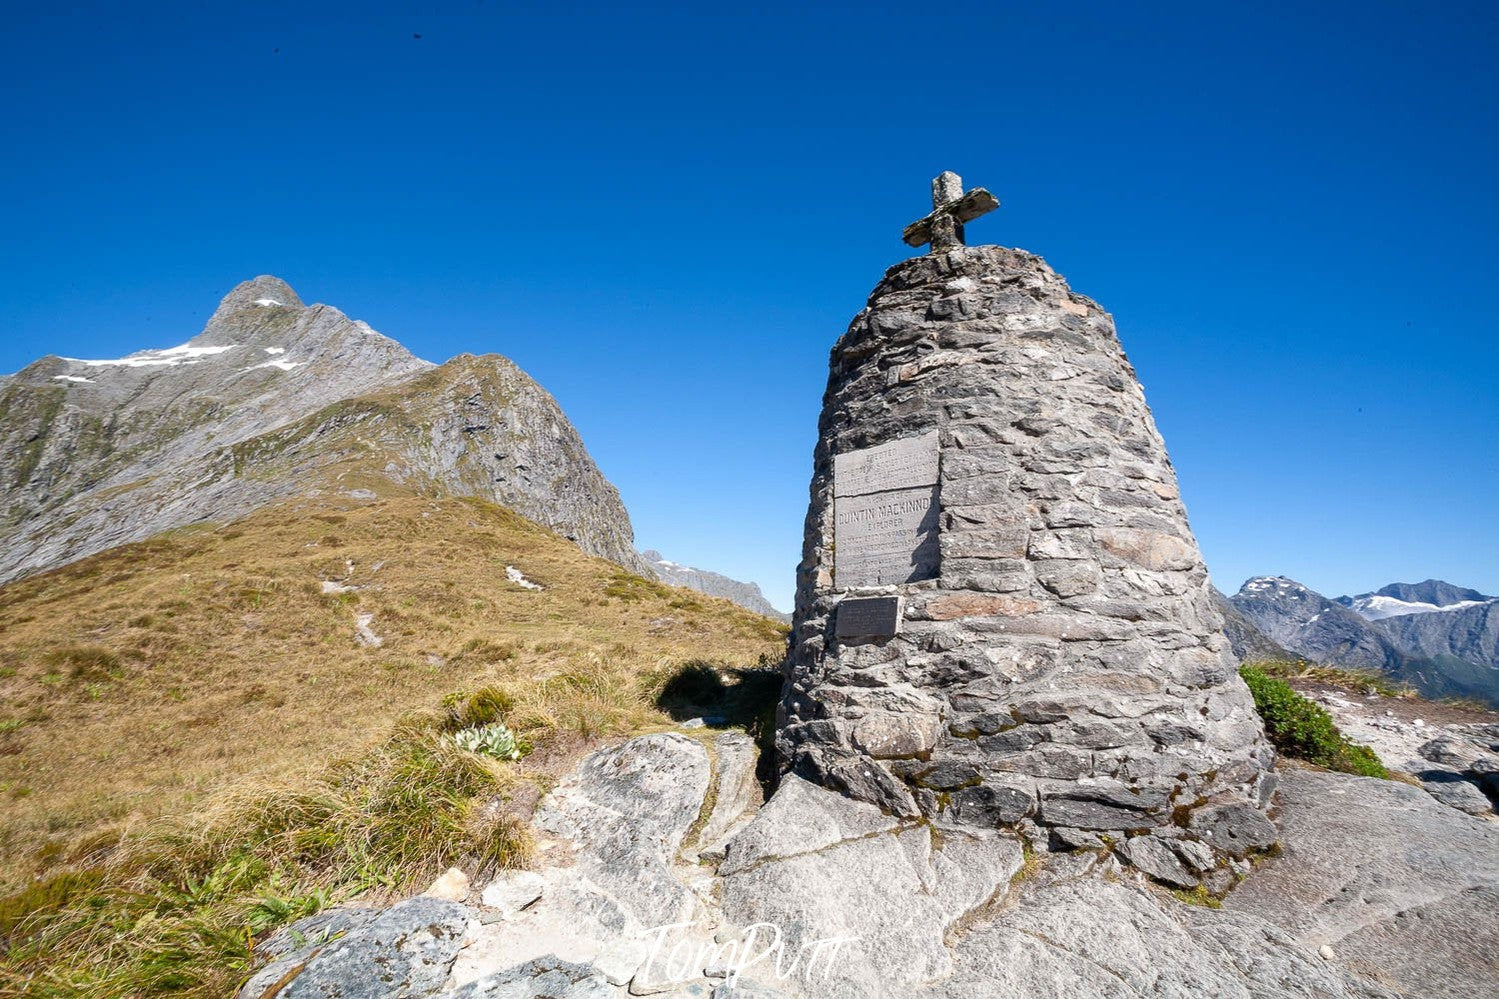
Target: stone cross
x,y
943,228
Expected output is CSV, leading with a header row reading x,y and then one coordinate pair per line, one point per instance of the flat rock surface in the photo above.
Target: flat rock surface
x,y
820,867
1389,878
1103,939
625,813
404,952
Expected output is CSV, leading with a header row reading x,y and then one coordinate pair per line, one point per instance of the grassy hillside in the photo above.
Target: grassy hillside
x,y
171,714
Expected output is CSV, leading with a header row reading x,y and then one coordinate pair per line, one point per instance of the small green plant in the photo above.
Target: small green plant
x,y
494,740
1300,728
1198,896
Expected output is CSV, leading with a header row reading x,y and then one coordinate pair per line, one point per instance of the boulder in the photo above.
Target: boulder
x,y
625,812
403,953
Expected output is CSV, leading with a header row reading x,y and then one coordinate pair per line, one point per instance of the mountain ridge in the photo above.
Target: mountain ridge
x,y
97,453
746,594
1443,651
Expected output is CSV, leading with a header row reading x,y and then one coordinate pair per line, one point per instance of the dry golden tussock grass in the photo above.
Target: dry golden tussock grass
x,y
195,747
139,682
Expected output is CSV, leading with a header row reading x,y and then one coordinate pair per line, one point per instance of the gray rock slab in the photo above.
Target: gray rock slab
x,y
403,953
818,866
801,818
543,978
739,792
1113,940
1382,873
294,945
625,812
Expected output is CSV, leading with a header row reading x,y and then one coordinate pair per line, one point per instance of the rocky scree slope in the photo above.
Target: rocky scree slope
x,y
746,595
1440,639
276,399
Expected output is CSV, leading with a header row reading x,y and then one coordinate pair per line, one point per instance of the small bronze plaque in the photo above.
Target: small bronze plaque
x,y
868,617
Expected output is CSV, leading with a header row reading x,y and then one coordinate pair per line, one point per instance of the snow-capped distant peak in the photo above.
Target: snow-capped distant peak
x,y
185,354
1376,607
1264,584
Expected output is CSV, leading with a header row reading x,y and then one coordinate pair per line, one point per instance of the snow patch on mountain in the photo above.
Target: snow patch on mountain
x,y
184,354
1377,607
279,362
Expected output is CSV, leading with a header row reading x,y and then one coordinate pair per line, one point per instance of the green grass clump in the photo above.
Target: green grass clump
x,y
1301,729
85,662
630,588
486,706
177,913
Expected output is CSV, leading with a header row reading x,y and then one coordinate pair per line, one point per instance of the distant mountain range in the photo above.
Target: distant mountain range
x,y
1439,638
746,595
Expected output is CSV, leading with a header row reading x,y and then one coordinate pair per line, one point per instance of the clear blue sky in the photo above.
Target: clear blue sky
x,y
668,214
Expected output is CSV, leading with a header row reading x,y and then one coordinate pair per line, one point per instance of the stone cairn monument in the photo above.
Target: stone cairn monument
x,y
1002,617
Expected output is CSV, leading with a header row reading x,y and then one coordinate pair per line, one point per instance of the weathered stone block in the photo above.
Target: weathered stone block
x,y
1148,549
896,736
990,805
1235,828
1068,577
961,605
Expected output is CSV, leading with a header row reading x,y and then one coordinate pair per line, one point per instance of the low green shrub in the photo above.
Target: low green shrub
x,y
1300,728
1363,681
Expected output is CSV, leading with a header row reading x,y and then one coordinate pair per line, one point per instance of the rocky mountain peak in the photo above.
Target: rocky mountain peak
x,y
263,292
266,402
1436,592
1280,586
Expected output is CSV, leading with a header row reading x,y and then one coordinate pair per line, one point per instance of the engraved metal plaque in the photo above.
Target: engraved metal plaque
x,y
910,461
885,513
868,617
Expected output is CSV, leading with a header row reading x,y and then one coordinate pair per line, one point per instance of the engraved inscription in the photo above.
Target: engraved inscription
x,y
868,617
885,513
910,461
886,538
